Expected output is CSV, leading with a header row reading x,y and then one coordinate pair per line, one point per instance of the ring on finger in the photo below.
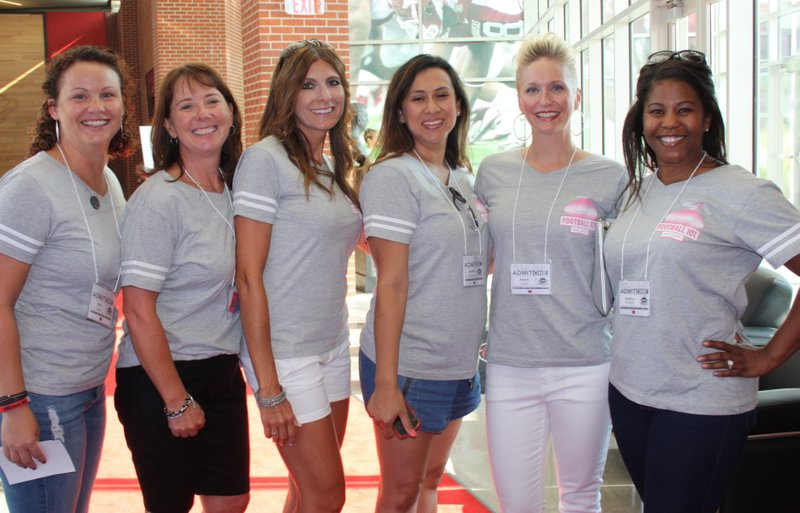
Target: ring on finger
x,y
730,364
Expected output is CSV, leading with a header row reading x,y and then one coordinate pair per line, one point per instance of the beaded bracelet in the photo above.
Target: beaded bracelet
x,y
10,399
177,413
22,402
271,402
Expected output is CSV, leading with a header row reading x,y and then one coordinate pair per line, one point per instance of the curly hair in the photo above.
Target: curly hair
x,y
394,138
164,153
279,119
44,131
639,157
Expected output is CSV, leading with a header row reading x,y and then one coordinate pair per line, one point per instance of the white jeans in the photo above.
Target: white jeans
x,y
524,408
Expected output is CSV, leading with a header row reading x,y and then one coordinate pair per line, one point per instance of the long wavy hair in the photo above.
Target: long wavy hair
x,y
394,138
164,153
639,157
44,137
279,120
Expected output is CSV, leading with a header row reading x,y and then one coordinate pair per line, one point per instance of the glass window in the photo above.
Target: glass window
x,y
609,99
640,48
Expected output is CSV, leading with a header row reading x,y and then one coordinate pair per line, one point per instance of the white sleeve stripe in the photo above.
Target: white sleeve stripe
x,y
21,235
766,247
19,245
252,196
256,206
390,220
139,263
387,227
159,277
780,248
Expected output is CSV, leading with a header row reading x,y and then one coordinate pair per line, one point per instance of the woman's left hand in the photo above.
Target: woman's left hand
x,y
735,360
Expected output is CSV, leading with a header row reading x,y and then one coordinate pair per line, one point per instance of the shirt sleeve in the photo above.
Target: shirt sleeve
x,y
148,243
256,186
25,215
770,224
389,207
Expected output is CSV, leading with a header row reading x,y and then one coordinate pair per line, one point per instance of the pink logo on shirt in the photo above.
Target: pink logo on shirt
x,y
580,215
482,210
684,223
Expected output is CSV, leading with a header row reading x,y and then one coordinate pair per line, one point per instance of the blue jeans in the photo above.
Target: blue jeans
x,y
679,462
79,421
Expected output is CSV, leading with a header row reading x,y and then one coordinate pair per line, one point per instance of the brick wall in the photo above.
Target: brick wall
x,y
266,30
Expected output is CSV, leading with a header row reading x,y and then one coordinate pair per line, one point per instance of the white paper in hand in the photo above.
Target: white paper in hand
x,y
58,462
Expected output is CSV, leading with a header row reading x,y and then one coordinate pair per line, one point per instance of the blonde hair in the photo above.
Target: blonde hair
x,y
552,47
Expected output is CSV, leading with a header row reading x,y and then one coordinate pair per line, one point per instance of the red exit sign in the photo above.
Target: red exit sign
x,y
305,7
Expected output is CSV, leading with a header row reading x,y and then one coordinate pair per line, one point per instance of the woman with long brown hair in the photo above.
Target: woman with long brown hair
x,y
297,223
419,348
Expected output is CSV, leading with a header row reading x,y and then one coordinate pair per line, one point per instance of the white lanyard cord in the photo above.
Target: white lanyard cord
x,y
549,213
230,201
86,220
452,203
669,209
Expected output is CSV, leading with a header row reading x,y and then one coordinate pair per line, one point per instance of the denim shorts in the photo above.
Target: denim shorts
x,y
435,402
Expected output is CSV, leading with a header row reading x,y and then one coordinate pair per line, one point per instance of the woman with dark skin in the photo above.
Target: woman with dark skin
x,y
683,387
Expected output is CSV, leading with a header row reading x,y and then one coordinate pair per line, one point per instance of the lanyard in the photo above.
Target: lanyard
x,y
549,213
453,204
639,209
86,220
220,214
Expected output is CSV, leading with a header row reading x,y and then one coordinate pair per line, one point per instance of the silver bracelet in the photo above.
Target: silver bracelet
x,y
177,413
271,402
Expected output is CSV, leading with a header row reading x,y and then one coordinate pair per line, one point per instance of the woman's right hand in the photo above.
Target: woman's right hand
x,y
279,423
386,405
189,423
20,438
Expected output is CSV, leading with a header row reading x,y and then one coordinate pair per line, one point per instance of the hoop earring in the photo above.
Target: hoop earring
x,y
232,131
173,141
520,124
583,120
58,135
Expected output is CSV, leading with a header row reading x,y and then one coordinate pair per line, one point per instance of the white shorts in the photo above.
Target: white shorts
x,y
312,383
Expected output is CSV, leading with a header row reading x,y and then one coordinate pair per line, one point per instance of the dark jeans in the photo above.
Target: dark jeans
x,y
679,462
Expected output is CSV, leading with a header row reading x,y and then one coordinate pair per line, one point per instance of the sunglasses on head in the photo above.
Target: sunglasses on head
x,y
293,47
684,55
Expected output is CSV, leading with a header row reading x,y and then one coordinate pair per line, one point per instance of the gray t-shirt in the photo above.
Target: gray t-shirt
x,y
701,254
444,321
564,328
41,224
312,239
176,244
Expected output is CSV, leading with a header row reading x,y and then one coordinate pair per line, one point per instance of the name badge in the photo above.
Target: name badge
x,y
233,301
101,306
530,279
634,298
472,271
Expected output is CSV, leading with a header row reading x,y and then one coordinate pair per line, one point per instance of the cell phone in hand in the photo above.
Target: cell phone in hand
x,y
398,424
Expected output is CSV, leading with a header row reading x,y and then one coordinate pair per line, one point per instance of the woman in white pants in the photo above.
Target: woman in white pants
x,y
548,354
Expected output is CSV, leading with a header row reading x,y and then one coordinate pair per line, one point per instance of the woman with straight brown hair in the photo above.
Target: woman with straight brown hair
x,y
419,348
297,223
180,394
